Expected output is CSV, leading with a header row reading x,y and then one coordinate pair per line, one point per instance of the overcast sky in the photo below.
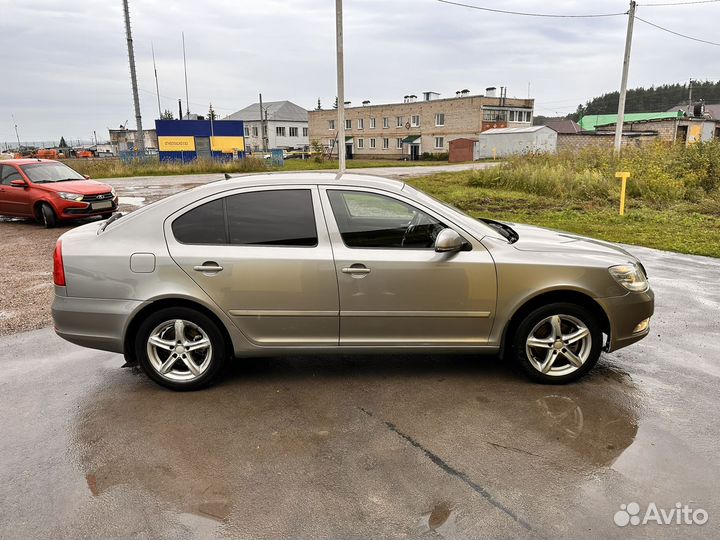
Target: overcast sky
x,y
65,69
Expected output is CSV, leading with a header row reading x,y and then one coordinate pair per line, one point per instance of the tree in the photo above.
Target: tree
x,y
167,115
211,113
62,144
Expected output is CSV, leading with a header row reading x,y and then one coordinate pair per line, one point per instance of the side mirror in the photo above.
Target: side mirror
x,y
18,183
86,176
448,241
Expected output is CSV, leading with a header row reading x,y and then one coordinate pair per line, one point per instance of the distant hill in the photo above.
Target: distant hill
x,y
653,99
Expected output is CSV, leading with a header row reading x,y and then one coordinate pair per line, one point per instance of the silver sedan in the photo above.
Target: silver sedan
x,y
286,263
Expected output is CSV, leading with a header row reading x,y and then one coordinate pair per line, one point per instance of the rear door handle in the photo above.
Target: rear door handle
x,y
356,269
208,267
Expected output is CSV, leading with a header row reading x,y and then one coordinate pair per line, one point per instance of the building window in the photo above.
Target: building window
x,y
305,132
348,124
494,115
331,143
331,124
361,123
386,122
399,121
372,123
247,131
386,144
415,120
440,119
439,142
255,131
256,148
372,143
361,143
293,132
280,131
398,144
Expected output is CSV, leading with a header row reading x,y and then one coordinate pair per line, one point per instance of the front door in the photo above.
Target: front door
x,y
202,147
349,151
395,290
14,201
414,152
263,255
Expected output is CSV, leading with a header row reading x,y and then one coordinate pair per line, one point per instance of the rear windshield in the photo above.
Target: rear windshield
x,y
43,173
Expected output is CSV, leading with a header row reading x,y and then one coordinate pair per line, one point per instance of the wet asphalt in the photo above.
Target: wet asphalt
x,y
357,447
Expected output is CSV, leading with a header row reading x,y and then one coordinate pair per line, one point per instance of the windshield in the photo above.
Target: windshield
x,y
43,173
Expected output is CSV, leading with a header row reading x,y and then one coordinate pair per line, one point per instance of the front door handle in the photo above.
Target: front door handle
x,y
356,269
208,267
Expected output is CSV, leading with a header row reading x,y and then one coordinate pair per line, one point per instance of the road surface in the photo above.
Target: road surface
x,y
432,447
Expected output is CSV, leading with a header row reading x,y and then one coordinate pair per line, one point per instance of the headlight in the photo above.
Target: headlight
x,y
629,276
70,196
112,190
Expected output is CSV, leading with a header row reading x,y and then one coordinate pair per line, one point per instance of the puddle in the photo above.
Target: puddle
x,y
133,201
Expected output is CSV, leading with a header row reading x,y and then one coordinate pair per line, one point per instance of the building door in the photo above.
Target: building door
x,y
349,151
682,133
202,147
414,152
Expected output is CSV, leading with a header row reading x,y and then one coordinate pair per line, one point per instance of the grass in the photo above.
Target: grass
x,y
115,168
678,225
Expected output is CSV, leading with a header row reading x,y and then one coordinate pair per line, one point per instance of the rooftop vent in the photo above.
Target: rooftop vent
x,y
429,96
490,91
366,102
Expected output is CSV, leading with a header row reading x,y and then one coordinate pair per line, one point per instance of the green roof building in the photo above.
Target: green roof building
x,y
591,121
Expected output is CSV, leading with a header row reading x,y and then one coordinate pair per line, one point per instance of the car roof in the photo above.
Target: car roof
x,y
317,177
25,161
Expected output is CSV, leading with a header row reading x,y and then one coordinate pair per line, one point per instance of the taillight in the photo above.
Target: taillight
x,y
58,268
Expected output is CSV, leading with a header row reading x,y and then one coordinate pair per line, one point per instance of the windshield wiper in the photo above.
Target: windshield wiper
x,y
508,232
114,217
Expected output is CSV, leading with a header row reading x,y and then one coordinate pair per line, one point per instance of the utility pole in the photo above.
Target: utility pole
x,y
187,98
623,82
180,109
157,86
263,126
340,85
689,108
17,135
139,136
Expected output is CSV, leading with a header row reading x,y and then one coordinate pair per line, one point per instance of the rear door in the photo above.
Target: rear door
x,y
264,256
14,201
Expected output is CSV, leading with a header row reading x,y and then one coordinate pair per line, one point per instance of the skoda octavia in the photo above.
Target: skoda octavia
x,y
286,263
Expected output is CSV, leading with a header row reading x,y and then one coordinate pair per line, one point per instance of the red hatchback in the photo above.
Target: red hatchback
x,y
50,191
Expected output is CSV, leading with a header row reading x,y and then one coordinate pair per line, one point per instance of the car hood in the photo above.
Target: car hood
x,y
547,240
83,187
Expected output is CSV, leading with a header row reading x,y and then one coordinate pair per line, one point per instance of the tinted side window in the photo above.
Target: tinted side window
x,y
370,220
204,224
8,174
275,218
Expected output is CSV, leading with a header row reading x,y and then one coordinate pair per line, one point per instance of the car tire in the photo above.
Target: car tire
x,y
155,356
550,357
47,216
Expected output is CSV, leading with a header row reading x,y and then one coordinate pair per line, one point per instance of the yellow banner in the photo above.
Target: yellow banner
x,y
176,144
227,145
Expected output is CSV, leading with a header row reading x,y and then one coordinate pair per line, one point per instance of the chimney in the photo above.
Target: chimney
x,y
429,96
464,92
366,102
490,91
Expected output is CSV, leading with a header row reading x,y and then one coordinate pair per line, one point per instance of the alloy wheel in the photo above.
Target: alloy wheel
x,y
558,345
179,350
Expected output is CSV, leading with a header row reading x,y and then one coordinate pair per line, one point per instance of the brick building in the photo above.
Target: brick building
x,y
409,129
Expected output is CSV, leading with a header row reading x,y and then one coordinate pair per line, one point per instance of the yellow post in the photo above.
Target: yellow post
x,y
494,153
623,176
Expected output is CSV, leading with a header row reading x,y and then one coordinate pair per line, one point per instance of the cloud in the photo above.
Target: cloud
x,y
69,72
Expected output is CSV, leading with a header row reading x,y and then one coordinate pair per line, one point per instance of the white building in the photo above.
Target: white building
x,y
286,125
501,142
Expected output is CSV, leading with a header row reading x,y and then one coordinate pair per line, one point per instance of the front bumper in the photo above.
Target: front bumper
x,y
71,210
625,313
97,323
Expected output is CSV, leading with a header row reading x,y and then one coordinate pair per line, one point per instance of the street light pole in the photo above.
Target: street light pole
x,y
139,136
340,85
623,82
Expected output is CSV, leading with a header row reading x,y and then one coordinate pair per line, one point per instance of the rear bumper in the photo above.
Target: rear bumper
x,y
625,313
97,323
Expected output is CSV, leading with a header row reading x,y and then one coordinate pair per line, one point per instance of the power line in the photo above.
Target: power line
x,y
525,14
659,4
678,33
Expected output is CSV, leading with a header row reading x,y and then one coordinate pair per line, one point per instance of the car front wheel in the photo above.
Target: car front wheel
x,y
180,348
557,343
47,216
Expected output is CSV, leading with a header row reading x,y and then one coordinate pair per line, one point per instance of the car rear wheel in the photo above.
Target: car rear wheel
x,y
557,343
47,216
180,348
